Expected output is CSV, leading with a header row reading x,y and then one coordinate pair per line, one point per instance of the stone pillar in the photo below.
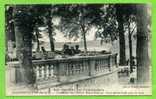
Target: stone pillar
x,y
61,72
91,67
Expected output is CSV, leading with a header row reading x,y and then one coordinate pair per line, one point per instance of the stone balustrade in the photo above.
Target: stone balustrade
x,y
53,72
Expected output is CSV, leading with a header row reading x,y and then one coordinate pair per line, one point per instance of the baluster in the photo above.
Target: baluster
x,y
80,64
95,66
42,72
70,69
37,73
98,65
86,65
103,64
76,69
116,60
83,68
106,64
83,62
52,70
80,67
110,63
47,71
67,71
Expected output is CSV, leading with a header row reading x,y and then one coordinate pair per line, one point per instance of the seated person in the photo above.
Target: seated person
x,y
77,51
72,51
44,52
66,50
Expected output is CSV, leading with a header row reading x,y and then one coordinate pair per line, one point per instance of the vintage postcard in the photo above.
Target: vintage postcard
x,y
78,49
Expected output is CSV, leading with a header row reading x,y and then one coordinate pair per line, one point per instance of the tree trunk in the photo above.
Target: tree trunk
x,y
130,48
82,25
120,20
84,38
10,33
130,54
122,60
50,30
85,43
23,34
37,38
142,45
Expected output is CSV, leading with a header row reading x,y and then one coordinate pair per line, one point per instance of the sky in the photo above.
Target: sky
x,y
59,37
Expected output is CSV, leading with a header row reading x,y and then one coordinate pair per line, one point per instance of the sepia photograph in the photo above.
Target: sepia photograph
x,y
78,49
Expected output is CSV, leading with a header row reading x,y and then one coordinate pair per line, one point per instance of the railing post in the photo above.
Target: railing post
x,y
18,74
91,67
57,72
60,71
110,62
